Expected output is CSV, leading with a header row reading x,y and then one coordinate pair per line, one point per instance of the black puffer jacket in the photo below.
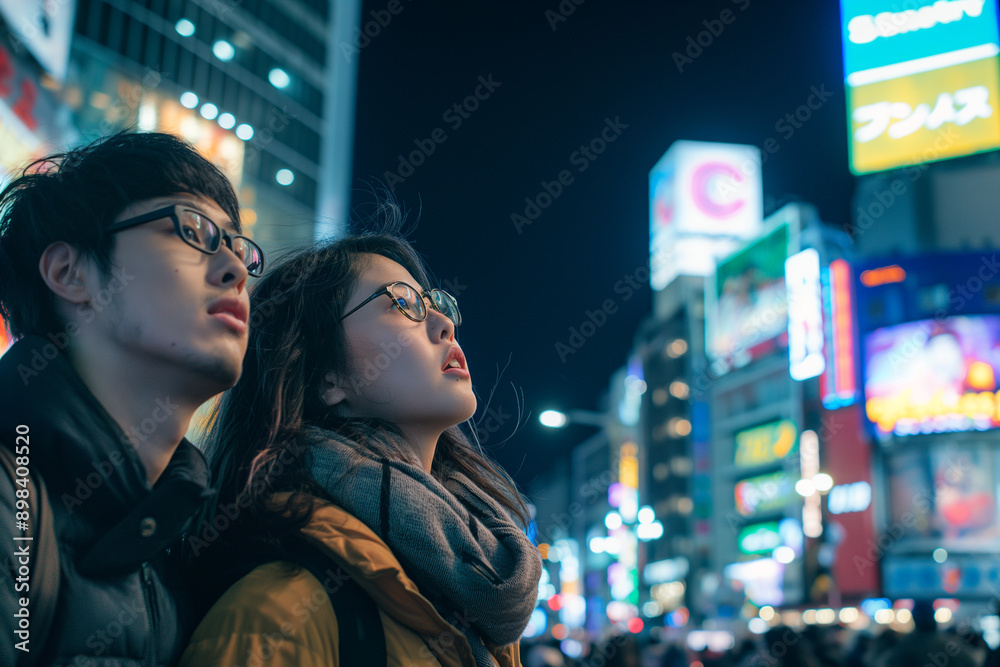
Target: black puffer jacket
x,y
121,602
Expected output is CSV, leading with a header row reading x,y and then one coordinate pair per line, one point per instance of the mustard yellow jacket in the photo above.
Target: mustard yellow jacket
x,y
279,617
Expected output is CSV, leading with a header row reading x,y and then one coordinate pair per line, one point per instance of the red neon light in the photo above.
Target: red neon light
x,y
843,333
635,625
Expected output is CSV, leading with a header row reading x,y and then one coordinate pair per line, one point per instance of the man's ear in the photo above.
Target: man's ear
x,y
332,392
65,273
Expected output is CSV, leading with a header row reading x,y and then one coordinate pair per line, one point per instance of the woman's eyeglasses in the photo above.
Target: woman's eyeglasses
x,y
201,234
411,302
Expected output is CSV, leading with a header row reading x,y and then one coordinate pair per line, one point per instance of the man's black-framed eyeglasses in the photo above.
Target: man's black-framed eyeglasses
x,y
202,234
410,302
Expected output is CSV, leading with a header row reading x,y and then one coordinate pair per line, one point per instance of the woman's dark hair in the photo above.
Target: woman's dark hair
x,y
74,196
255,445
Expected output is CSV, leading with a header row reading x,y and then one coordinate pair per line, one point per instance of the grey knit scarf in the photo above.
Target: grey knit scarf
x,y
459,545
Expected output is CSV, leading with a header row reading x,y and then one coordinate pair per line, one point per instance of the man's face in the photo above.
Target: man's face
x,y
170,309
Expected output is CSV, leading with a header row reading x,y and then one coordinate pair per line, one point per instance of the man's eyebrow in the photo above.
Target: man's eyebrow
x,y
226,224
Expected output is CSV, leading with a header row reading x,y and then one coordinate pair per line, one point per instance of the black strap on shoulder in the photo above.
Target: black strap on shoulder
x,y
44,592
362,638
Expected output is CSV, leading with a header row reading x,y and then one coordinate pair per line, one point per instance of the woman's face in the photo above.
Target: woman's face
x,y
400,370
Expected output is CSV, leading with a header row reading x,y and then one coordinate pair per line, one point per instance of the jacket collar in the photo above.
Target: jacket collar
x,y
89,465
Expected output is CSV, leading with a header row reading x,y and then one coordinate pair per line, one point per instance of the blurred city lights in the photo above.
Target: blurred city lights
x,y
805,487
904,615
677,348
244,132
536,624
572,648
679,427
872,606
940,555
223,50
635,385
678,618
784,554
189,100
279,78
646,514
284,177
184,28
766,612
209,111
553,419
822,482
652,609
885,616
849,614
758,626
613,520
649,531
942,615
227,121
147,118
635,626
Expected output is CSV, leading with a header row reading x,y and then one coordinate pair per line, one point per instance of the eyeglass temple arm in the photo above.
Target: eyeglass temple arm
x,y
384,290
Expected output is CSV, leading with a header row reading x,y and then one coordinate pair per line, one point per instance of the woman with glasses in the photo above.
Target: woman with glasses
x,y
363,526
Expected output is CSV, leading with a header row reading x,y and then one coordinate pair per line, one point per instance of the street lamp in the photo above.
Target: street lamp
x,y
558,419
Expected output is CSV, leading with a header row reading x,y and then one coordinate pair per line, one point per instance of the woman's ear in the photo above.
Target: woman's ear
x,y
332,392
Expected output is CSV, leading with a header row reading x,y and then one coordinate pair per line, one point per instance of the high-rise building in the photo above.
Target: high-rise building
x,y
261,88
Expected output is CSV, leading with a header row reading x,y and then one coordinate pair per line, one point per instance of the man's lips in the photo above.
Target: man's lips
x,y
232,311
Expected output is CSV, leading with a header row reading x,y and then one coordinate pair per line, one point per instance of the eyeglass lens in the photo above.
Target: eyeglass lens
x,y
447,305
201,232
412,302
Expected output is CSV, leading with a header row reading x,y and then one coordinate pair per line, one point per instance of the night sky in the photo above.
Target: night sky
x,y
549,83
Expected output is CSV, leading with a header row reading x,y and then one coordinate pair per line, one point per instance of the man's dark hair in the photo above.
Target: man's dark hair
x,y
73,197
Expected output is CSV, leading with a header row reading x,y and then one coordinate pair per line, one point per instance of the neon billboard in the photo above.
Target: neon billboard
x,y
705,199
922,82
766,444
746,301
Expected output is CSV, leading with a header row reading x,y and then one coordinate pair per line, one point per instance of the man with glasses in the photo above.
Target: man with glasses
x,y
123,273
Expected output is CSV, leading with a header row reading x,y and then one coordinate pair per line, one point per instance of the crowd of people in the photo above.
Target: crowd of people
x,y
927,645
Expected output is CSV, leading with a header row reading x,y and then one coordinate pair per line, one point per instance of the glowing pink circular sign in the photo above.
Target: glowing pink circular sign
x,y
703,190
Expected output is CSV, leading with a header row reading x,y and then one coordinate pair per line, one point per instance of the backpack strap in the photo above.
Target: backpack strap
x,y
45,575
362,638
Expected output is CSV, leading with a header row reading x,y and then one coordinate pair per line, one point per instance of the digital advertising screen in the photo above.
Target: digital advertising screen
x,y
945,496
746,309
933,376
922,80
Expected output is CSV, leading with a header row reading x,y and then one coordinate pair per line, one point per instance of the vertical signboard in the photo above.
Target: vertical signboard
x,y
805,315
704,201
922,80
838,384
